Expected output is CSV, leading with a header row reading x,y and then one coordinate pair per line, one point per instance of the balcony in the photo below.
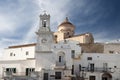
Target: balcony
x,y
20,76
60,65
96,69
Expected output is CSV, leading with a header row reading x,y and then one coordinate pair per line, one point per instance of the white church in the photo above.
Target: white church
x,y
58,56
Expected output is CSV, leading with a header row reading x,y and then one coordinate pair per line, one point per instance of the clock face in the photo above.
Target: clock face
x,y
44,40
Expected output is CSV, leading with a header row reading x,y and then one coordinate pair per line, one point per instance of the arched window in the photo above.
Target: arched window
x,y
44,23
61,56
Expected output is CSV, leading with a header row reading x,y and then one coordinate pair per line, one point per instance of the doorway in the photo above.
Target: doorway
x,y
106,76
45,76
92,78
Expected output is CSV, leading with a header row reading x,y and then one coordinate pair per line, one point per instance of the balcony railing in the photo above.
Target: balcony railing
x,y
20,76
96,69
60,63
14,74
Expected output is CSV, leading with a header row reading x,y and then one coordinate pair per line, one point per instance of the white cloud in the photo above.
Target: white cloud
x,y
15,16
6,24
57,9
101,37
31,36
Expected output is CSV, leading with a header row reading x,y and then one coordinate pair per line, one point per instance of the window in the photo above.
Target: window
x,y
73,54
67,33
11,54
92,78
45,76
105,65
14,70
55,36
29,70
89,58
69,36
92,67
27,53
73,51
54,46
44,23
57,75
82,51
115,66
10,70
111,51
79,67
72,69
59,58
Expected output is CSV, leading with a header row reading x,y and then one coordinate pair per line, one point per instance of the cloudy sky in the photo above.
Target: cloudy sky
x,y
19,19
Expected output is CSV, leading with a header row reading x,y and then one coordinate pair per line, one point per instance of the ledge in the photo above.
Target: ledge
x,y
43,52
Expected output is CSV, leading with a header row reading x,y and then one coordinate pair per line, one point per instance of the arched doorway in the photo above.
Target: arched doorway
x,y
106,76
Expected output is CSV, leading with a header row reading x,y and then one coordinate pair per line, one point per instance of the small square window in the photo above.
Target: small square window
x,y
54,46
89,58
72,53
115,66
111,51
27,53
11,54
55,36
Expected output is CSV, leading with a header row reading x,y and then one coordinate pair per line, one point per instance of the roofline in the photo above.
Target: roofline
x,y
82,34
24,45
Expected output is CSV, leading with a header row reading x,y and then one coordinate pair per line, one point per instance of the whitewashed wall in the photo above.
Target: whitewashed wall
x,y
98,59
19,53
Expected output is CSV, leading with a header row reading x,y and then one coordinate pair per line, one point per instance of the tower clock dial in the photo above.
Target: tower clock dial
x,y
44,40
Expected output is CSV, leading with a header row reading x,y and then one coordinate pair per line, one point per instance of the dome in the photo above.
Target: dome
x,y
66,26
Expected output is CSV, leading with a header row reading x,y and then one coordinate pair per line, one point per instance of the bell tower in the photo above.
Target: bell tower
x,y
44,22
44,34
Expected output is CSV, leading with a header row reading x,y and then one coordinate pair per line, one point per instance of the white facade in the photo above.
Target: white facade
x,y
20,53
18,57
103,64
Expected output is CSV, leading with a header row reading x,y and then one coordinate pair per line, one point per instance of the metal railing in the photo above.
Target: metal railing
x,y
6,74
96,69
60,63
20,76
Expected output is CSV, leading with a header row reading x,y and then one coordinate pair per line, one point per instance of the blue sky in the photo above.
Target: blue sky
x,y
19,19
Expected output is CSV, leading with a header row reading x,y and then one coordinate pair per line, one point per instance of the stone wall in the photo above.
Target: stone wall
x,y
92,48
112,48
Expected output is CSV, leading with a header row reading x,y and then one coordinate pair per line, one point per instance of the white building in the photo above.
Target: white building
x,y
48,60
